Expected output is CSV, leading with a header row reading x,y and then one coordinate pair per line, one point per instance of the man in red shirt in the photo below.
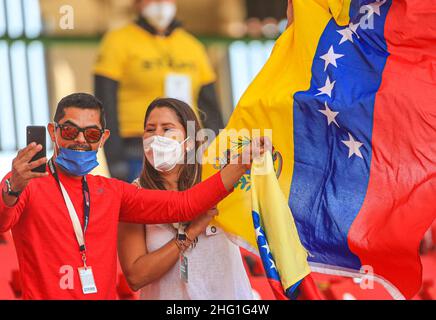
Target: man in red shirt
x,y
64,221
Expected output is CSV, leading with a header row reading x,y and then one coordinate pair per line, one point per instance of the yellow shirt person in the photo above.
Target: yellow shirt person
x,y
137,64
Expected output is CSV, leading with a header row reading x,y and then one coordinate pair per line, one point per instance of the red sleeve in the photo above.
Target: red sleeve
x,y
9,216
156,206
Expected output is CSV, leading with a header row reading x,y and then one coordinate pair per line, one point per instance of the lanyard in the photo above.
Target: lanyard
x,y
80,234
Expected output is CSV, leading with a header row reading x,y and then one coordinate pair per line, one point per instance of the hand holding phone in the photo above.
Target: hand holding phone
x,y
22,171
30,163
37,134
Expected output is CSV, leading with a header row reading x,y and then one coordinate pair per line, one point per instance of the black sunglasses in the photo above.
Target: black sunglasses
x,y
70,131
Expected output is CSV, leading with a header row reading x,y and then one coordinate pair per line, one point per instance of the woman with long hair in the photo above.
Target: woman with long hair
x,y
189,260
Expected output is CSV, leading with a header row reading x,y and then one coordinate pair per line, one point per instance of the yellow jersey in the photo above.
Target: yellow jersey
x,y
142,62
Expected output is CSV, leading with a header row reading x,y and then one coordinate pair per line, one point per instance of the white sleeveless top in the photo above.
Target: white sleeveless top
x,y
215,269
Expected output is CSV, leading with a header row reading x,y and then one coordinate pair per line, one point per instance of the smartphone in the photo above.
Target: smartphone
x,y
37,134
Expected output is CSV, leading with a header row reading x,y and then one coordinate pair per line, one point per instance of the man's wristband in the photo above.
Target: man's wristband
x,y
7,188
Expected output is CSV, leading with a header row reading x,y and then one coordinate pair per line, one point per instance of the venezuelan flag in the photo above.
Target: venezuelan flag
x,y
350,95
282,254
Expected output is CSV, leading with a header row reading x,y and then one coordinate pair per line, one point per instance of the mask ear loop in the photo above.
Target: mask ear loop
x,y
101,141
56,139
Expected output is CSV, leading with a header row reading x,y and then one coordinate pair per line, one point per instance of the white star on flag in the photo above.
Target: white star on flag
x,y
327,89
273,265
331,115
267,248
330,58
374,8
353,27
347,35
354,146
259,233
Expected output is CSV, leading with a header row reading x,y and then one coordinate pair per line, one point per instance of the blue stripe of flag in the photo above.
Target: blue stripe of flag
x,y
328,186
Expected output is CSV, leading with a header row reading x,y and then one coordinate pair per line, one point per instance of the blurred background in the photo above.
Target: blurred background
x,y
42,61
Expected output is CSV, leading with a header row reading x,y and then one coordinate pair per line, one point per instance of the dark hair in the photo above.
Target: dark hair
x,y
190,175
81,101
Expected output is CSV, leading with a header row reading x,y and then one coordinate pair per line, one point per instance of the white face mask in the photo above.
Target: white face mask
x,y
163,153
160,14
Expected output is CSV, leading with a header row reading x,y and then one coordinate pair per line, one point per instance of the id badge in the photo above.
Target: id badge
x,y
87,280
179,86
184,268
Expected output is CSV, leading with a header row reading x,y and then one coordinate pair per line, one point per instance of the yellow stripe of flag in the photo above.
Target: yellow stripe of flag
x,y
268,104
268,201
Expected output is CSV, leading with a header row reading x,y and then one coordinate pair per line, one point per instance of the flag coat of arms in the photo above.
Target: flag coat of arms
x,y
350,95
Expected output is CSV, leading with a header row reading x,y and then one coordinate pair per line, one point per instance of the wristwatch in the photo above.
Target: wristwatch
x,y
181,236
184,237
8,190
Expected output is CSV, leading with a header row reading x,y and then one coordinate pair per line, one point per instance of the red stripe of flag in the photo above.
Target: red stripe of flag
x,y
400,203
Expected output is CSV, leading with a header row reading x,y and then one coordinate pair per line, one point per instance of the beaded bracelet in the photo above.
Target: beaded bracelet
x,y
180,245
183,245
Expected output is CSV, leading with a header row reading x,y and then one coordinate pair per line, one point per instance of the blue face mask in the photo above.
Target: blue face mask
x,y
77,163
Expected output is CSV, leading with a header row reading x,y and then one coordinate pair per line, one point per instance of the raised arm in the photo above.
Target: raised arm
x,y
12,206
290,13
155,206
10,214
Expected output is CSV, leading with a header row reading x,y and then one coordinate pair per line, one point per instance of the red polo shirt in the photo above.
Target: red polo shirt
x,y
47,249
